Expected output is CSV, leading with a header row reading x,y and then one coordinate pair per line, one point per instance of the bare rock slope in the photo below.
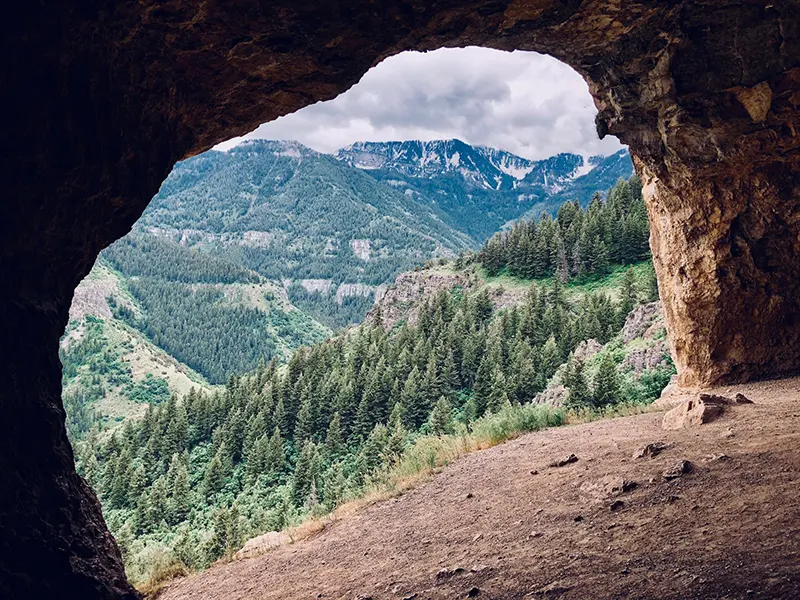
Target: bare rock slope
x,y
641,513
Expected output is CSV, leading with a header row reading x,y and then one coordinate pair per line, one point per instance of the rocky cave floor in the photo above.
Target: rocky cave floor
x,y
501,523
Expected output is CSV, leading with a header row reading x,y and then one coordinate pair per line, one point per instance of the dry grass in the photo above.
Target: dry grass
x,y
161,573
429,454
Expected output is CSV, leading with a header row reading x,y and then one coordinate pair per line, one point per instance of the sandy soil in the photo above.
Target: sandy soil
x,y
503,524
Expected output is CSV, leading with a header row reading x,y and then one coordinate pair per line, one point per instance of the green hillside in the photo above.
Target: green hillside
x,y
330,232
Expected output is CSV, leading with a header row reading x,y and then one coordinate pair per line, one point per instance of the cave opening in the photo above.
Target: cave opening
x,y
237,262
107,98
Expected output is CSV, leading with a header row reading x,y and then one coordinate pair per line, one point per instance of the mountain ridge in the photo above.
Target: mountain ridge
x,y
481,189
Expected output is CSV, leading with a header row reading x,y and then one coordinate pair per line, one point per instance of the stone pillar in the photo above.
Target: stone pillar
x,y
726,248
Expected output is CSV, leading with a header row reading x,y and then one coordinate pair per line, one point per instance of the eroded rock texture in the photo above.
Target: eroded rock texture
x,y
103,97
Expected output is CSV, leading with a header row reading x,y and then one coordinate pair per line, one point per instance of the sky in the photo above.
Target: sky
x,y
522,102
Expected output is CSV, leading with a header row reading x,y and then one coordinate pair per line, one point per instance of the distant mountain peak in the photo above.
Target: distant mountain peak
x,y
479,166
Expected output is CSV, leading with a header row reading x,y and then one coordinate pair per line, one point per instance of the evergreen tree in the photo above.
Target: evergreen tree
x,y
441,419
606,383
305,473
214,478
179,503
334,440
575,380
275,456
628,299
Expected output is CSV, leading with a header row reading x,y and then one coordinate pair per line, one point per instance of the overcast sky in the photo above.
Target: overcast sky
x,y
522,102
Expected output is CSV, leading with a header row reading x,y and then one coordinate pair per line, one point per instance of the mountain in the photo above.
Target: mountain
x,y
328,231
480,189
246,255
110,370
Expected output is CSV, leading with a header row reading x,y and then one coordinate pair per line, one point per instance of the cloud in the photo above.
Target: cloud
x,y
523,102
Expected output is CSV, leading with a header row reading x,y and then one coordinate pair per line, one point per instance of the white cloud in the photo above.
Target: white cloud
x,y
522,102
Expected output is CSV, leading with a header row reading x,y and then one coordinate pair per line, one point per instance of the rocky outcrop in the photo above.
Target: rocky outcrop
x,y
586,349
403,300
108,95
640,320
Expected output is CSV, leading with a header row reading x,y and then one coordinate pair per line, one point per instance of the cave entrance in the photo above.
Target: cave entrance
x,y
106,100
452,145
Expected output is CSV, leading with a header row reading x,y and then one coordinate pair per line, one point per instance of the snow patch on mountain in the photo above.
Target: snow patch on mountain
x,y
586,168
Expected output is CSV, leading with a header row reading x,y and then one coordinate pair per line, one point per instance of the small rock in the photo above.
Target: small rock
x,y
555,588
651,450
411,596
448,573
672,499
621,486
679,469
534,472
536,534
567,460
578,518
617,505
716,457
477,537
469,495
479,568
473,592
742,399
728,433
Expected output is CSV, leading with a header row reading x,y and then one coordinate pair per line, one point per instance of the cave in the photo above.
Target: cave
x,y
104,97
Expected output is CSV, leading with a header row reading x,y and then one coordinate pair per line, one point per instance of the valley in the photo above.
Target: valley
x,y
238,259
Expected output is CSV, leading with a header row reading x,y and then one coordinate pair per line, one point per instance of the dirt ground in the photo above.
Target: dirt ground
x,y
501,523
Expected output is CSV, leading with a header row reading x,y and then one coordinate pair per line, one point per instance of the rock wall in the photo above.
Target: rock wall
x,y
107,95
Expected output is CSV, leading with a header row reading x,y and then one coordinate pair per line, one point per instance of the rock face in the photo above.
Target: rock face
x,y
108,95
409,292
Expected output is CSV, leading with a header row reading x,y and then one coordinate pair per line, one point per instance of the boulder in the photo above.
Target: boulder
x,y
692,413
262,543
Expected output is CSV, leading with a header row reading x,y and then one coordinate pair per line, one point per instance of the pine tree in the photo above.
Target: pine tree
x,y
412,401
333,489
304,425
628,297
650,291
441,419
334,440
305,473
363,423
484,379
214,478
275,456
398,435
179,503
606,383
575,380
498,398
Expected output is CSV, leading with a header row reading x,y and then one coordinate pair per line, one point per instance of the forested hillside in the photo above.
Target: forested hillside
x,y
202,281
111,371
331,233
578,242
198,475
211,314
